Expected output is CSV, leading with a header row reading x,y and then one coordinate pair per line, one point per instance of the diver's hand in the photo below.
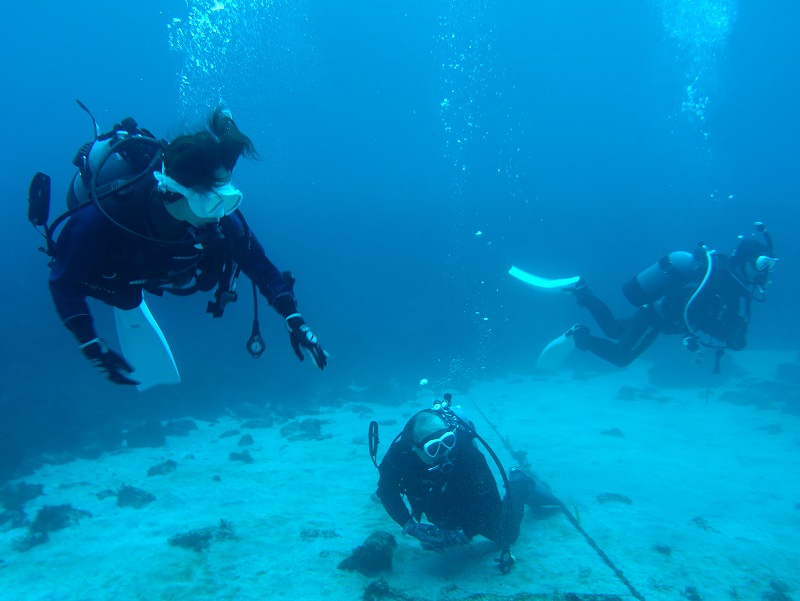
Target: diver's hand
x,y
736,336
417,530
433,538
304,340
441,539
111,363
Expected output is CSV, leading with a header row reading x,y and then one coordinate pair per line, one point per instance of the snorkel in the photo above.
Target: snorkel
x,y
762,229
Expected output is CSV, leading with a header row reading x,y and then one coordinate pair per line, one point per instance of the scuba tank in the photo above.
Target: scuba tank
x,y
113,169
114,163
676,268
115,172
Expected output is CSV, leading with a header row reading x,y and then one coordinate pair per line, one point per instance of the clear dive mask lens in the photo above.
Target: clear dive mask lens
x,y
438,447
766,264
211,204
231,197
216,203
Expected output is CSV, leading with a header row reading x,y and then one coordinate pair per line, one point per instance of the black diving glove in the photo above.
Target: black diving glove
x,y
433,538
304,340
111,363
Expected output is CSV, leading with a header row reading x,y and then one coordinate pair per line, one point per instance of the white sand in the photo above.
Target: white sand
x,y
678,460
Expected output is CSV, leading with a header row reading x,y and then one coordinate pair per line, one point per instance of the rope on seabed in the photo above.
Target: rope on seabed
x,y
521,457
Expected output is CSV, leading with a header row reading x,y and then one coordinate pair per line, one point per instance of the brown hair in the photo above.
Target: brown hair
x,y
194,160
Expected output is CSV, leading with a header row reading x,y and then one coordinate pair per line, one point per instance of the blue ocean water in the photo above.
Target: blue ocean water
x,y
411,152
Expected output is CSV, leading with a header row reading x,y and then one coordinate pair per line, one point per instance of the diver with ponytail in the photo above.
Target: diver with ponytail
x,y
147,215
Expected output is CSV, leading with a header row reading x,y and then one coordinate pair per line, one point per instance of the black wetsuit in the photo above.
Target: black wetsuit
x,y
96,258
466,498
721,310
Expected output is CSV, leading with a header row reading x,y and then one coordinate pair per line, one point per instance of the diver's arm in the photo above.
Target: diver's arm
x,y
276,287
731,314
77,250
485,503
389,488
81,243
735,323
249,254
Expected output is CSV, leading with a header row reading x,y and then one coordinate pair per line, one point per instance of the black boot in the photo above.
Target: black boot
x,y
580,335
580,290
537,494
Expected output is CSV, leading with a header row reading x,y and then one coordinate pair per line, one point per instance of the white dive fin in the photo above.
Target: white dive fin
x,y
145,348
542,283
555,353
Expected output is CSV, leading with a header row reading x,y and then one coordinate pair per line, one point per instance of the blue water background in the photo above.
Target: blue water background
x,y
411,152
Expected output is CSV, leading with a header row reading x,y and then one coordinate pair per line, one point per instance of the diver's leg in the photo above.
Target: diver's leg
x,y
502,522
639,333
610,325
513,508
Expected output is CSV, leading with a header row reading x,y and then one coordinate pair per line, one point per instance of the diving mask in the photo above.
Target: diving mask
x,y
765,263
437,447
212,204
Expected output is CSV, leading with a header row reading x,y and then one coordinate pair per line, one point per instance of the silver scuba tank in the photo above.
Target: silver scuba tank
x,y
676,268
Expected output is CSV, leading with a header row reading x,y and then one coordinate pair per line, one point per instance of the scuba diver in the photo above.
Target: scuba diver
x,y
435,463
705,296
147,215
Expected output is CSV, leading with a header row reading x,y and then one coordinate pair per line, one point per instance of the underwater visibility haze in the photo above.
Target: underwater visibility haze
x,y
410,153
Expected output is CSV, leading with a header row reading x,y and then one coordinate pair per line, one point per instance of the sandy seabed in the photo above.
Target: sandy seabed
x,y
690,498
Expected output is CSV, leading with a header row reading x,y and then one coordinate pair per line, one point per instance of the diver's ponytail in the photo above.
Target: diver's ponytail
x,y
232,142
194,160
